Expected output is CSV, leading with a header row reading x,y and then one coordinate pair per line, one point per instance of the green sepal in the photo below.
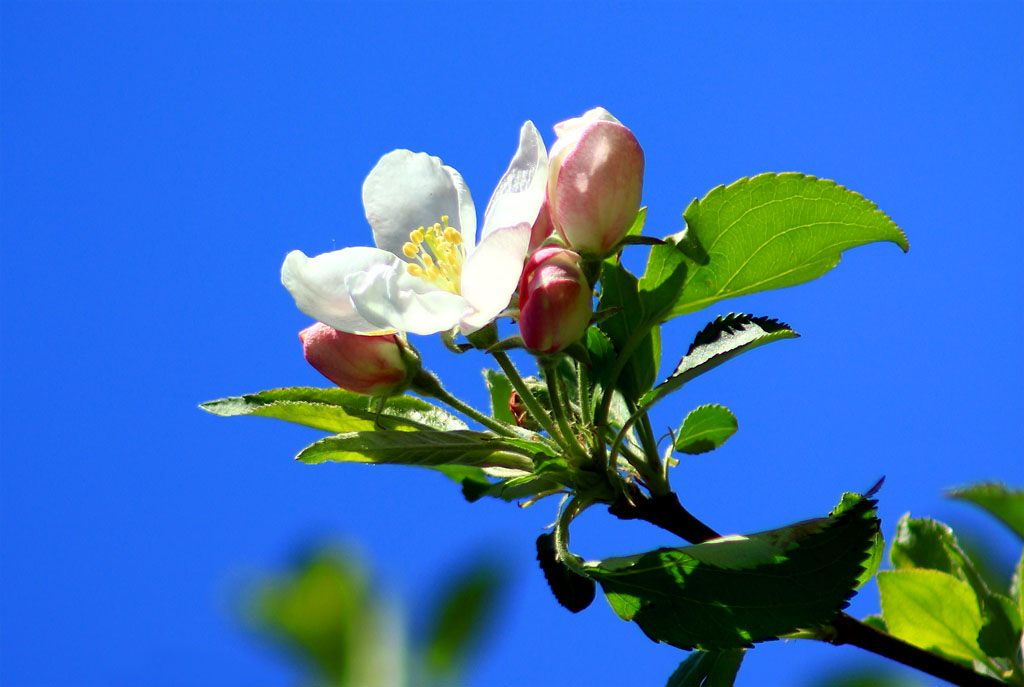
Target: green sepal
x,y
734,591
705,429
721,340
708,669
998,500
772,231
336,410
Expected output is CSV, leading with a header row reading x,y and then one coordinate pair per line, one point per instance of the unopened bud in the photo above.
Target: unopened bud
x,y
555,300
595,181
371,365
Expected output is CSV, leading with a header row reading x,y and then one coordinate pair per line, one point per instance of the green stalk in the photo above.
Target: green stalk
x,y
429,385
560,410
538,413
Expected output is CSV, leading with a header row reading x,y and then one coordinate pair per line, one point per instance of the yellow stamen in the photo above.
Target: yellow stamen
x,y
439,252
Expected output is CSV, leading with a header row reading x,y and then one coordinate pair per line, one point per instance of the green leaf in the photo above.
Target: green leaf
x,y
721,340
324,611
772,231
662,283
336,410
500,390
929,544
999,500
1001,627
426,447
708,669
705,429
465,608
932,610
730,592
1017,585
877,622
629,330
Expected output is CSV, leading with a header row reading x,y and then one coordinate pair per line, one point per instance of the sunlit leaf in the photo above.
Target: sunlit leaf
x,y
932,610
336,410
927,543
705,429
425,447
772,231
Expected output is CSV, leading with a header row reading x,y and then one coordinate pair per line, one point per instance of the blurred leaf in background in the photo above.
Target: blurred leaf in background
x,y
325,613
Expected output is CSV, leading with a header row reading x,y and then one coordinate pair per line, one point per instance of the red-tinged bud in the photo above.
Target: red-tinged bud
x,y
371,365
520,413
595,179
555,301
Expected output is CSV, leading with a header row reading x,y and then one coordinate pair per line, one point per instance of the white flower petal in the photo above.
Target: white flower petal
x,y
520,193
491,273
407,190
391,298
465,221
318,284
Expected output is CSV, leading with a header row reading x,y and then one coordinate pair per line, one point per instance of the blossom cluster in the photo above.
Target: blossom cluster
x,y
430,272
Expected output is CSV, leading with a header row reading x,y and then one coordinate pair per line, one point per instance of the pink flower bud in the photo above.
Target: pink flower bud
x,y
371,365
542,227
595,179
555,301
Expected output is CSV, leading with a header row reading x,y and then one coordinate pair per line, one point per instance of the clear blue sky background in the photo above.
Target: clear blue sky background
x,y
160,159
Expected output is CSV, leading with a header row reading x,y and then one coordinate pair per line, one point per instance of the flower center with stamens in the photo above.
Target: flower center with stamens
x,y
437,254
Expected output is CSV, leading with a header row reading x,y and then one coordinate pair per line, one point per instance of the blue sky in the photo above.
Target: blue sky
x,y
160,159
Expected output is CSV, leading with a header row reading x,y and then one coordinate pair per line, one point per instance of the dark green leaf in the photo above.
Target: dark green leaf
x,y
929,544
1001,627
465,609
336,410
999,500
721,340
426,447
662,283
573,591
628,329
932,610
705,429
501,391
731,592
772,231
708,669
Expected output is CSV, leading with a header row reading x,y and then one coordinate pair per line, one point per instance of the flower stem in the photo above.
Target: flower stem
x,y
538,413
559,409
429,385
